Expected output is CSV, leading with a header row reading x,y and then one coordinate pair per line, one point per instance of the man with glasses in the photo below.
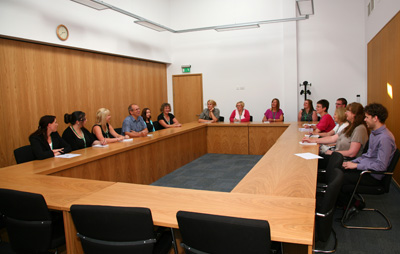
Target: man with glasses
x,y
134,125
341,103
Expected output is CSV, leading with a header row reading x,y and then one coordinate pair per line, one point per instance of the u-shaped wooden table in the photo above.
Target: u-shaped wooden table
x,y
280,188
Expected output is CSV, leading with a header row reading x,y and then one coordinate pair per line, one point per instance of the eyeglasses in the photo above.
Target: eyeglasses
x,y
82,119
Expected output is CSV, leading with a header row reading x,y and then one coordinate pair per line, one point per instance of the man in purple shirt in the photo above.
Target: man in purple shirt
x,y
380,150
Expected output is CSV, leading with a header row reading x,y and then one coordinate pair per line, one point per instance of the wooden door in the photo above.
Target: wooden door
x,y
188,97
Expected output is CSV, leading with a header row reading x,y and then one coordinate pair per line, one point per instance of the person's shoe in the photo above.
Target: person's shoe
x,y
350,213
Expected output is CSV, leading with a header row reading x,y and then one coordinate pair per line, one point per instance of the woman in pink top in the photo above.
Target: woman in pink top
x,y
326,124
273,114
240,114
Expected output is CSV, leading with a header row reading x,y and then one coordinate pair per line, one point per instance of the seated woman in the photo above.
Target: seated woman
x,y
308,113
76,134
351,141
209,114
326,124
146,114
240,114
166,119
340,119
273,114
45,141
103,130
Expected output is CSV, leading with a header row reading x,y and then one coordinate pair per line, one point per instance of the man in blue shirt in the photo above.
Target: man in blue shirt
x,y
134,125
380,150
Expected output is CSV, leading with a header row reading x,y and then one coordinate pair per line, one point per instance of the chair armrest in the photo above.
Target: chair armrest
x,y
373,172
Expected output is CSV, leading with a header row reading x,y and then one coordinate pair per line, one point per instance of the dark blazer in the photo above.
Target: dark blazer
x,y
41,148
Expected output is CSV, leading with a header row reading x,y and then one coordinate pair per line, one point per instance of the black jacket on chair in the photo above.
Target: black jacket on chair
x,y
41,148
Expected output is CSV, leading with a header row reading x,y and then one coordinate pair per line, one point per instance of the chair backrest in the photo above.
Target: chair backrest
x,y
335,161
24,154
221,234
326,205
221,119
118,130
251,118
156,125
392,166
108,229
27,219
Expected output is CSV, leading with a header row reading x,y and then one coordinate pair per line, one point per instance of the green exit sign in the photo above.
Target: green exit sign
x,y
186,70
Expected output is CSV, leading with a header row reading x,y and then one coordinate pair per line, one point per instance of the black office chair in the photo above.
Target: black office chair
x,y
24,154
206,233
221,119
335,161
118,130
108,229
382,188
157,125
325,208
31,227
251,118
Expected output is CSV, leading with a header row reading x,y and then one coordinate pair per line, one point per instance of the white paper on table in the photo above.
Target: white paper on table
x,y
266,122
307,144
101,146
308,156
305,130
149,135
309,124
67,155
128,139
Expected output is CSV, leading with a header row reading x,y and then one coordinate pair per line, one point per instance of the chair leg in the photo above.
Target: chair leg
x,y
328,251
174,241
389,225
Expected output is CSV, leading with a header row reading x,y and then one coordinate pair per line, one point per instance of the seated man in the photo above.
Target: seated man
x,y
380,151
341,103
134,125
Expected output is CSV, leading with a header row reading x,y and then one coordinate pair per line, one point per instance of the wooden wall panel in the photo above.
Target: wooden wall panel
x,y
144,164
383,68
38,79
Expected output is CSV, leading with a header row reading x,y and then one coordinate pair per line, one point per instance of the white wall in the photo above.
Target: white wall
x,y
383,12
329,49
104,31
332,52
252,60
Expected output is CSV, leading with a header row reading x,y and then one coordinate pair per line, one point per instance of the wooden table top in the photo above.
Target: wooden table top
x,y
280,172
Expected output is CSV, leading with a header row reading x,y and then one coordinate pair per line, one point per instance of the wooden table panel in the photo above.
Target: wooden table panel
x,y
144,164
263,137
228,138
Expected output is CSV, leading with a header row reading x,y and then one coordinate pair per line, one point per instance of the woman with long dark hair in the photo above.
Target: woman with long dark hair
x,y
273,114
146,114
76,134
45,141
308,113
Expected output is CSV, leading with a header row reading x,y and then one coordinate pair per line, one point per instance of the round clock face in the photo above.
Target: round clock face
x,y
62,32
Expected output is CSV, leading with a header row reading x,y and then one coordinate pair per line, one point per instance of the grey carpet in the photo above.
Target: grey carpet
x,y
215,172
